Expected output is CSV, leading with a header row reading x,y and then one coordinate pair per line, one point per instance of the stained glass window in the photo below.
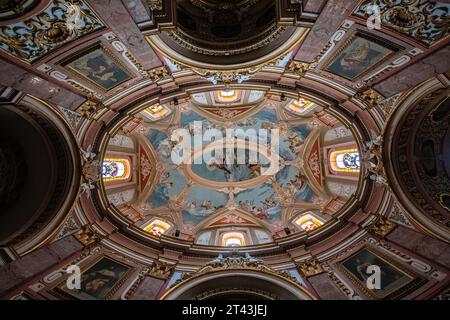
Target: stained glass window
x,y
228,95
308,222
345,160
156,111
157,227
115,169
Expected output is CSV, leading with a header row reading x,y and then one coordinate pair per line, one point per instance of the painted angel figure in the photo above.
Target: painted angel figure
x,y
87,187
251,260
217,261
87,154
376,140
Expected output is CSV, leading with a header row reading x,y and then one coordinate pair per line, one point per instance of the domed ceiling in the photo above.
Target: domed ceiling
x,y
293,142
235,159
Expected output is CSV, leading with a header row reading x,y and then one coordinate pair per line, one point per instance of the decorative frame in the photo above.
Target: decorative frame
x,y
409,286
65,64
393,48
59,291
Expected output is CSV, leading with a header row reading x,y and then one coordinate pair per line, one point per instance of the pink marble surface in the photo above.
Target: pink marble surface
x,y
24,269
22,80
331,17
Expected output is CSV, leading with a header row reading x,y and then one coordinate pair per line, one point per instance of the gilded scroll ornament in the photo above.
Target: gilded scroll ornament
x,y
423,20
58,24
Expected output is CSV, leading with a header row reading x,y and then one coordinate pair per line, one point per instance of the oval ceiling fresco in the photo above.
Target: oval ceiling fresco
x,y
268,166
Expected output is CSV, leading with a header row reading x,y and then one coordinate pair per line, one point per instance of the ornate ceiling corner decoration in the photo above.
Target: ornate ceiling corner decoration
x,y
87,236
398,216
388,105
160,270
425,21
311,267
371,97
236,262
59,23
69,227
158,73
381,227
72,117
298,68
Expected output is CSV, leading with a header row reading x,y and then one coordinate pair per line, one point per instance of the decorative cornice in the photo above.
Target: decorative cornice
x,y
235,262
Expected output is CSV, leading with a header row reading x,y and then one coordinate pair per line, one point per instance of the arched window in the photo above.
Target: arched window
x,y
115,169
156,111
308,222
233,239
157,227
300,106
228,95
345,160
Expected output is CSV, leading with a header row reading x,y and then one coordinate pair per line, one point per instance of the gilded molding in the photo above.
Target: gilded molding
x,y
370,96
311,267
158,73
87,236
299,68
160,270
381,227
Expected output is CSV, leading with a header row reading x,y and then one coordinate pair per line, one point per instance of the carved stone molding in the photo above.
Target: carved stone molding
x,y
297,67
311,267
87,236
381,227
160,270
235,262
371,97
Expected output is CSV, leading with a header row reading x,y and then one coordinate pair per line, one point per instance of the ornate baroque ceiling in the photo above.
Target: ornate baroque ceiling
x,y
346,114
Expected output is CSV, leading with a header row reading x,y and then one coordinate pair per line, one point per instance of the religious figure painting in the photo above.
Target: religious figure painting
x,y
99,68
359,56
391,277
97,281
